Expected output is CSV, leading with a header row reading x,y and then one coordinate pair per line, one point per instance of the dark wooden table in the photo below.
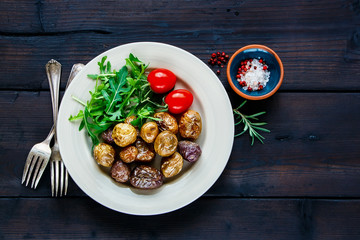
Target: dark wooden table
x,y
303,183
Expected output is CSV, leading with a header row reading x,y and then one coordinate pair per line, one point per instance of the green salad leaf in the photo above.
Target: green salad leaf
x,y
116,96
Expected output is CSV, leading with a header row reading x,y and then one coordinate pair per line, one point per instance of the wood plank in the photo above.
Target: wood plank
x,y
324,66
207,218
20,16
311,147
25,17
316,54
312,150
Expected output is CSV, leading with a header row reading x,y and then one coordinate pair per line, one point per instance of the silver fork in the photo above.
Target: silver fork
x,y
39,154
56,164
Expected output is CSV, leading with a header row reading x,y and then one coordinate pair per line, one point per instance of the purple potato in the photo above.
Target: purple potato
x,y
146,177
190,151
107,136
120,172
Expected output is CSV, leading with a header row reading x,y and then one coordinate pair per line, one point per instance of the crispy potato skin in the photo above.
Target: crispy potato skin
x,y
120,172
145,151
168,122
190,125
107,136
149,132
146,177
190,151
171,166
128,154
104,154
124,134
129,120
165,143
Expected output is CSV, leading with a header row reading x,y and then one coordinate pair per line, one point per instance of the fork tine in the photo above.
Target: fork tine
x,y
42,168
62,176
52,172
56,178
66,181
33,162
27,165
39,162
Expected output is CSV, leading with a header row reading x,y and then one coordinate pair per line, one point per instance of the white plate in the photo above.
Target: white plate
x,y
216,139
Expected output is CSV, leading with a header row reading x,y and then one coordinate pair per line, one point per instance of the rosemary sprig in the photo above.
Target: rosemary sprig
x,y
250,126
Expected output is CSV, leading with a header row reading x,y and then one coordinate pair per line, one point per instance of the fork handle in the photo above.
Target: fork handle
x,y
53,72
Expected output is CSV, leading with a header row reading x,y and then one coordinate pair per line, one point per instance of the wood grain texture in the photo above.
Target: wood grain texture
x,y
75,218
56,16
315,153
318,42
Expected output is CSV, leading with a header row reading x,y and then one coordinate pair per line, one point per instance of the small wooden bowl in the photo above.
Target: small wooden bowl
x,y
273,62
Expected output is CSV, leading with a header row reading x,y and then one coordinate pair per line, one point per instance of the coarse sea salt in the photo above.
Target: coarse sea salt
x,y
256,77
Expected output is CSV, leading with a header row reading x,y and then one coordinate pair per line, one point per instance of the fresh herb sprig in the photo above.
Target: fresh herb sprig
x,y
250,126
116,96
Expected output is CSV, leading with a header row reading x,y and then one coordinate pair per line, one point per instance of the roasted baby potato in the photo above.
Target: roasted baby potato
x,y
167,123
190,125
129,120
146,177
120,172
124,134
107,136
104,154
149,132
190,151
128,154
145,152
165,143
171,166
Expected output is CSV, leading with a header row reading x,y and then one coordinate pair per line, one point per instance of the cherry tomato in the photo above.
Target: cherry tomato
x,y
179,100
161,80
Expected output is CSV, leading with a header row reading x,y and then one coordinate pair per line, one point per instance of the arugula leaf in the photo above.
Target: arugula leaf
x,y
93,137
101,65
80,115
132,58
116,89
82,124
93,76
